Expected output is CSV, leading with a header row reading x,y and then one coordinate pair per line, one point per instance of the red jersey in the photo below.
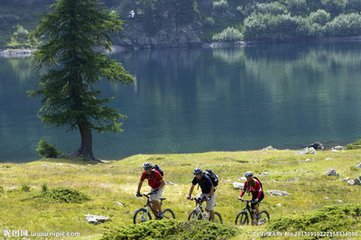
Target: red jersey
x,y
154,178
256,190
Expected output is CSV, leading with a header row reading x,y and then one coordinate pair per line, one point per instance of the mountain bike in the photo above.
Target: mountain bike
x,y
143,214
242,217
199,213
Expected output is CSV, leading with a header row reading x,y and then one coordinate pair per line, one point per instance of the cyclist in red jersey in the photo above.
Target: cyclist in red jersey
x,y
253,186
156,182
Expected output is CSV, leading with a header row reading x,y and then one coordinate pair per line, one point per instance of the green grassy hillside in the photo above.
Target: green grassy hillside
x,y
22,205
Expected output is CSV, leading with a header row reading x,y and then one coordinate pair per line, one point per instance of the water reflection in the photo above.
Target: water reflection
x,y
205,99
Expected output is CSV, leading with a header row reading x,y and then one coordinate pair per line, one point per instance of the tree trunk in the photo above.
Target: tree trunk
x,y
86,147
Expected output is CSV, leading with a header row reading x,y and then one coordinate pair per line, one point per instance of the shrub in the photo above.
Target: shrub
x,y
172,229
62,194
25,188
21,38
326,219
344,25
354,145
47,150
220,5
273,8
297,7
228,34
277,27
209,22
320,17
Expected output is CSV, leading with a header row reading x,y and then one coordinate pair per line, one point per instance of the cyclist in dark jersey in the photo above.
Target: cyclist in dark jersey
x,y
208,190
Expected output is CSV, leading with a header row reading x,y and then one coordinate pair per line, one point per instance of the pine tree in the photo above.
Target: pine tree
x,y
72,38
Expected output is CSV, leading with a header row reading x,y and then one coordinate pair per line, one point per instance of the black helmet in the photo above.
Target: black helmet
x,y
197,171
248,174
147,165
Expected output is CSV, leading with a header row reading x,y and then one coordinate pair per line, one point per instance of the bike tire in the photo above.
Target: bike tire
x,y
264,217
141,215
242,218
194,216
217,218
168,214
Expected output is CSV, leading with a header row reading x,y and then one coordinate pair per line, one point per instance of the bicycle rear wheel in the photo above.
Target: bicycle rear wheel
x,y
168,214
242,218
217,218
141,215
264,218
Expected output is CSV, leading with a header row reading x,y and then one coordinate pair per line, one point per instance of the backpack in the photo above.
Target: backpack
x,y
156,167
212,176
260,183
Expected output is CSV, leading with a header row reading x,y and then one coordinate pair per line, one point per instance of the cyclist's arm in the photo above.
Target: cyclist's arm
x,y
211,192
162,183
191,190
140,186
244,189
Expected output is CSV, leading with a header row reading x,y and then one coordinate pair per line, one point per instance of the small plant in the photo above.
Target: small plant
x,y
2,189
47,150
25,188
44,188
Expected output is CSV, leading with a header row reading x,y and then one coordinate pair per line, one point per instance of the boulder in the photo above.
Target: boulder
x,y
308,150
357,181
351,182
338,148
317,146
332,172
328,159
119,204
268,148
170,183
238,185
358,165
243,178
95,219
278,193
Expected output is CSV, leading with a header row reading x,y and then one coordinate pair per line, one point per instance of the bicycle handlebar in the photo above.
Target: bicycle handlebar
x,y
244,200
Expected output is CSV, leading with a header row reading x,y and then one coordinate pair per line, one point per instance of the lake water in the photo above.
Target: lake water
x,y
195,100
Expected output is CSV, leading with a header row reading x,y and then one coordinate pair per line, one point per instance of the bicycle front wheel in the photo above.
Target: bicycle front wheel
x,y
168,214
264,218
217,218
141,215
194,216
242,218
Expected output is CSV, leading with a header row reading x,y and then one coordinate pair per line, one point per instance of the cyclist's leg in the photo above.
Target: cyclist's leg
x,y
210,206
156,206
256,205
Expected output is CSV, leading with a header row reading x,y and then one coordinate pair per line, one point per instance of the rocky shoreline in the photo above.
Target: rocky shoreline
x,y
12,53
24,52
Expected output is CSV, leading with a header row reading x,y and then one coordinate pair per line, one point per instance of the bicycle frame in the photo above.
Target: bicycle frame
x,y
149,203
248,208
199,209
